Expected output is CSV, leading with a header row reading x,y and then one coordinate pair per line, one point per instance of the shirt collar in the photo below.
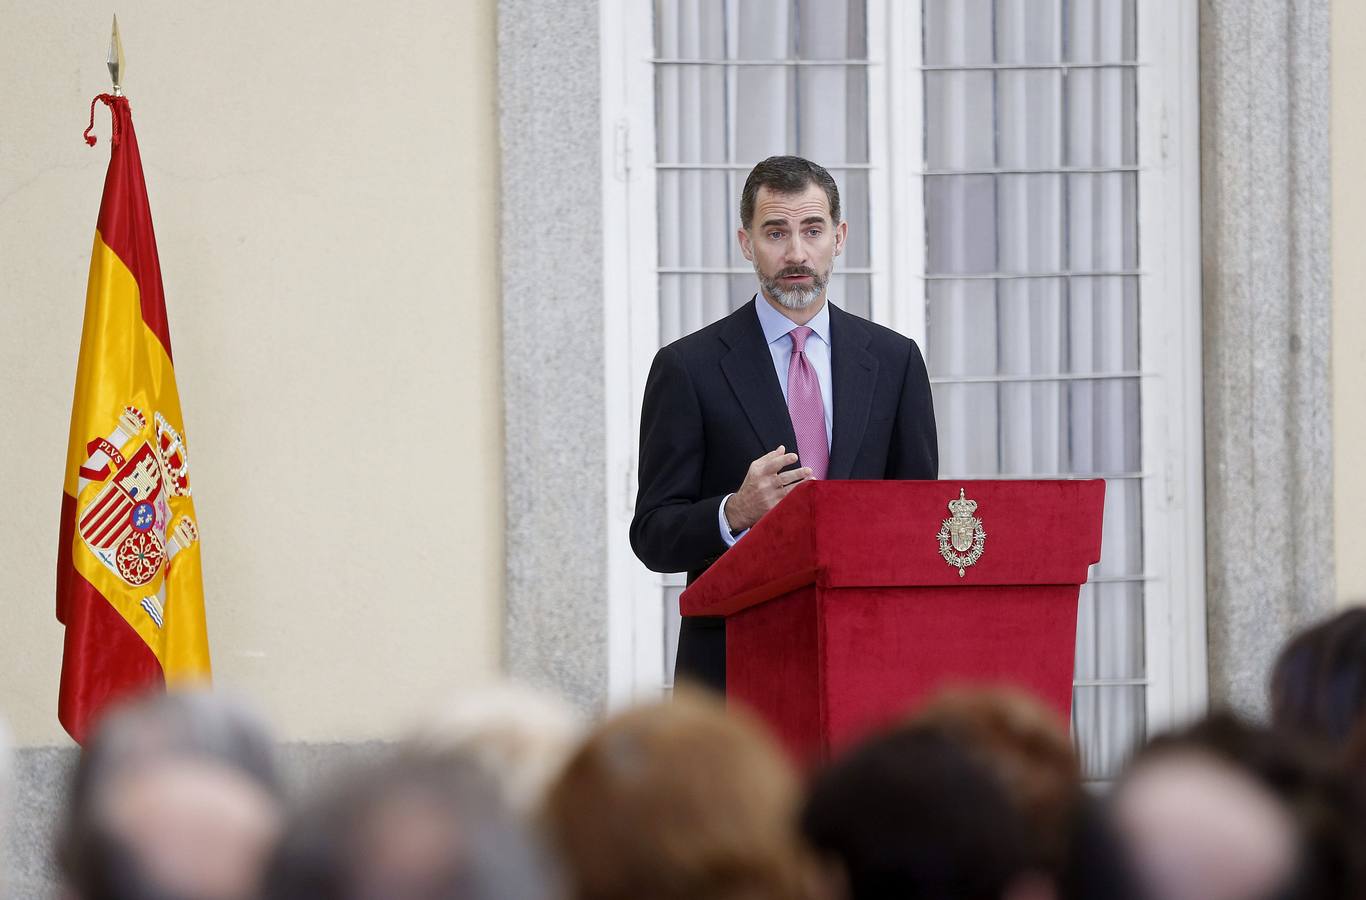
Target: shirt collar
x,y
777,325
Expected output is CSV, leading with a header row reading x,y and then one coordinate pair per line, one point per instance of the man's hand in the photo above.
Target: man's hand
x,y
764,486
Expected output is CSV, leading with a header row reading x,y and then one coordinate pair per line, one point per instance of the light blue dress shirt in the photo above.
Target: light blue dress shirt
x,y
776,327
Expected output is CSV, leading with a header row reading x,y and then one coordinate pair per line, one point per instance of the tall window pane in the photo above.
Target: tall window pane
x,y
1032,292
737,81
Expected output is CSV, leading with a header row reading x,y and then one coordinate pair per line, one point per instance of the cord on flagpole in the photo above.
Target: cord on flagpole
x,y
108,100
115,61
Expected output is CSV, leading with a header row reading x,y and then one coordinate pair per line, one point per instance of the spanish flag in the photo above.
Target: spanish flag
x,y
129,589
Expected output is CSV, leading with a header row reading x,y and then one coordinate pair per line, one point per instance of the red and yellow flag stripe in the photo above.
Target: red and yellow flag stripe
x,y
123,637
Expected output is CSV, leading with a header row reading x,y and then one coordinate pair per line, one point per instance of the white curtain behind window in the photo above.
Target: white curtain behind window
x,y
738,81
1032,292
1030,208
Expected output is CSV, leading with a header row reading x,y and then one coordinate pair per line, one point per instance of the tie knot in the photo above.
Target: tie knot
x,y
799,336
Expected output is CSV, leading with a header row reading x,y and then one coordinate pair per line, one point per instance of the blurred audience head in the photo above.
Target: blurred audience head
x,y
410,827
1229,811
1026,745
1318,686
517,736
914,813
679,800
176,796
195,723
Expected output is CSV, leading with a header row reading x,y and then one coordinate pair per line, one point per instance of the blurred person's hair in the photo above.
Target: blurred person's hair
x,y
195,725
680,800
1354,759
1326,810
179,828
913,813
520,737
411,826
1026,745
1318,685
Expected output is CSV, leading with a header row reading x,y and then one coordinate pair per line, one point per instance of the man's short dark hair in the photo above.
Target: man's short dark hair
x,y
787,175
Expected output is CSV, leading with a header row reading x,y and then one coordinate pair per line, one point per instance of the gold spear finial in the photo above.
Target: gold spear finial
x,y
116,59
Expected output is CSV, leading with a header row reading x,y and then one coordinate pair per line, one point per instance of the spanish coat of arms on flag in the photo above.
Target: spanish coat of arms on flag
x,y
129,589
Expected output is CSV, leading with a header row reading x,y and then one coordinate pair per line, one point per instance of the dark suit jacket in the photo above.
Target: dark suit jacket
x,y
713,405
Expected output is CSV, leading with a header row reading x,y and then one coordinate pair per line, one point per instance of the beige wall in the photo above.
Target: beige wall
x,y
1349,297
322,179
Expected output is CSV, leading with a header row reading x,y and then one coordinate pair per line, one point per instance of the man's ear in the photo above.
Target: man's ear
x,y
841,233
745,246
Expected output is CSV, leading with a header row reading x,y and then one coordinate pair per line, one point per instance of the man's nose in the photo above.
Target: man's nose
x,y
795,251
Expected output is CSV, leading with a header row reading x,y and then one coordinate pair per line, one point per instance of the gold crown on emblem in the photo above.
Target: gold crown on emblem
x,y
132,421
962,508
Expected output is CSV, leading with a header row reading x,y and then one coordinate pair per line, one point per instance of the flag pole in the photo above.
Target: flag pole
x,y
115,59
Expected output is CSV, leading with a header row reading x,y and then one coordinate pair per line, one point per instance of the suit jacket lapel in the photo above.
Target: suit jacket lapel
x,y
749,369
854,372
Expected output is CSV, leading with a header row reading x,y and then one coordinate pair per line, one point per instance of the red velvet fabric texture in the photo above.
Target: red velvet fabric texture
x,y
771,654
885,650
825,666
883,534
841,613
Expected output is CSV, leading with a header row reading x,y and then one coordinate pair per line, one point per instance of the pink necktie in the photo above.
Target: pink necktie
x,y
805,406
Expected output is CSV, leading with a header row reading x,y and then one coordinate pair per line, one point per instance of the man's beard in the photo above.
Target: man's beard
x,y
794,298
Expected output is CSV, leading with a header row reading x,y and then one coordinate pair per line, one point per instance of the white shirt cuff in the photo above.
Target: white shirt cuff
x,y
726,536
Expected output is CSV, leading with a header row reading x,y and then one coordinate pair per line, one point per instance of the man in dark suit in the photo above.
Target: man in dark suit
x,y
726,406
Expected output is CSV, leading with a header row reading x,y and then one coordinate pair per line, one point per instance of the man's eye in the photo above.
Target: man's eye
x,y
775,235
814,232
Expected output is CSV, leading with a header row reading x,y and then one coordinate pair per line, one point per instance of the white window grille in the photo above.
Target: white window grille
x,y
1017,203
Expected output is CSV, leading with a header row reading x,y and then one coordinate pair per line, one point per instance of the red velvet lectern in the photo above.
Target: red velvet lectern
x,y
843,609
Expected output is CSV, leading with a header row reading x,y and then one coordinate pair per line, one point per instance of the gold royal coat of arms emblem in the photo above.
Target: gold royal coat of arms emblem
x,y
961,538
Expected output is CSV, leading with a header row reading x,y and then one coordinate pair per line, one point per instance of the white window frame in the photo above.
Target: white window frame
x,y
1170,320
635,643
1170,347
